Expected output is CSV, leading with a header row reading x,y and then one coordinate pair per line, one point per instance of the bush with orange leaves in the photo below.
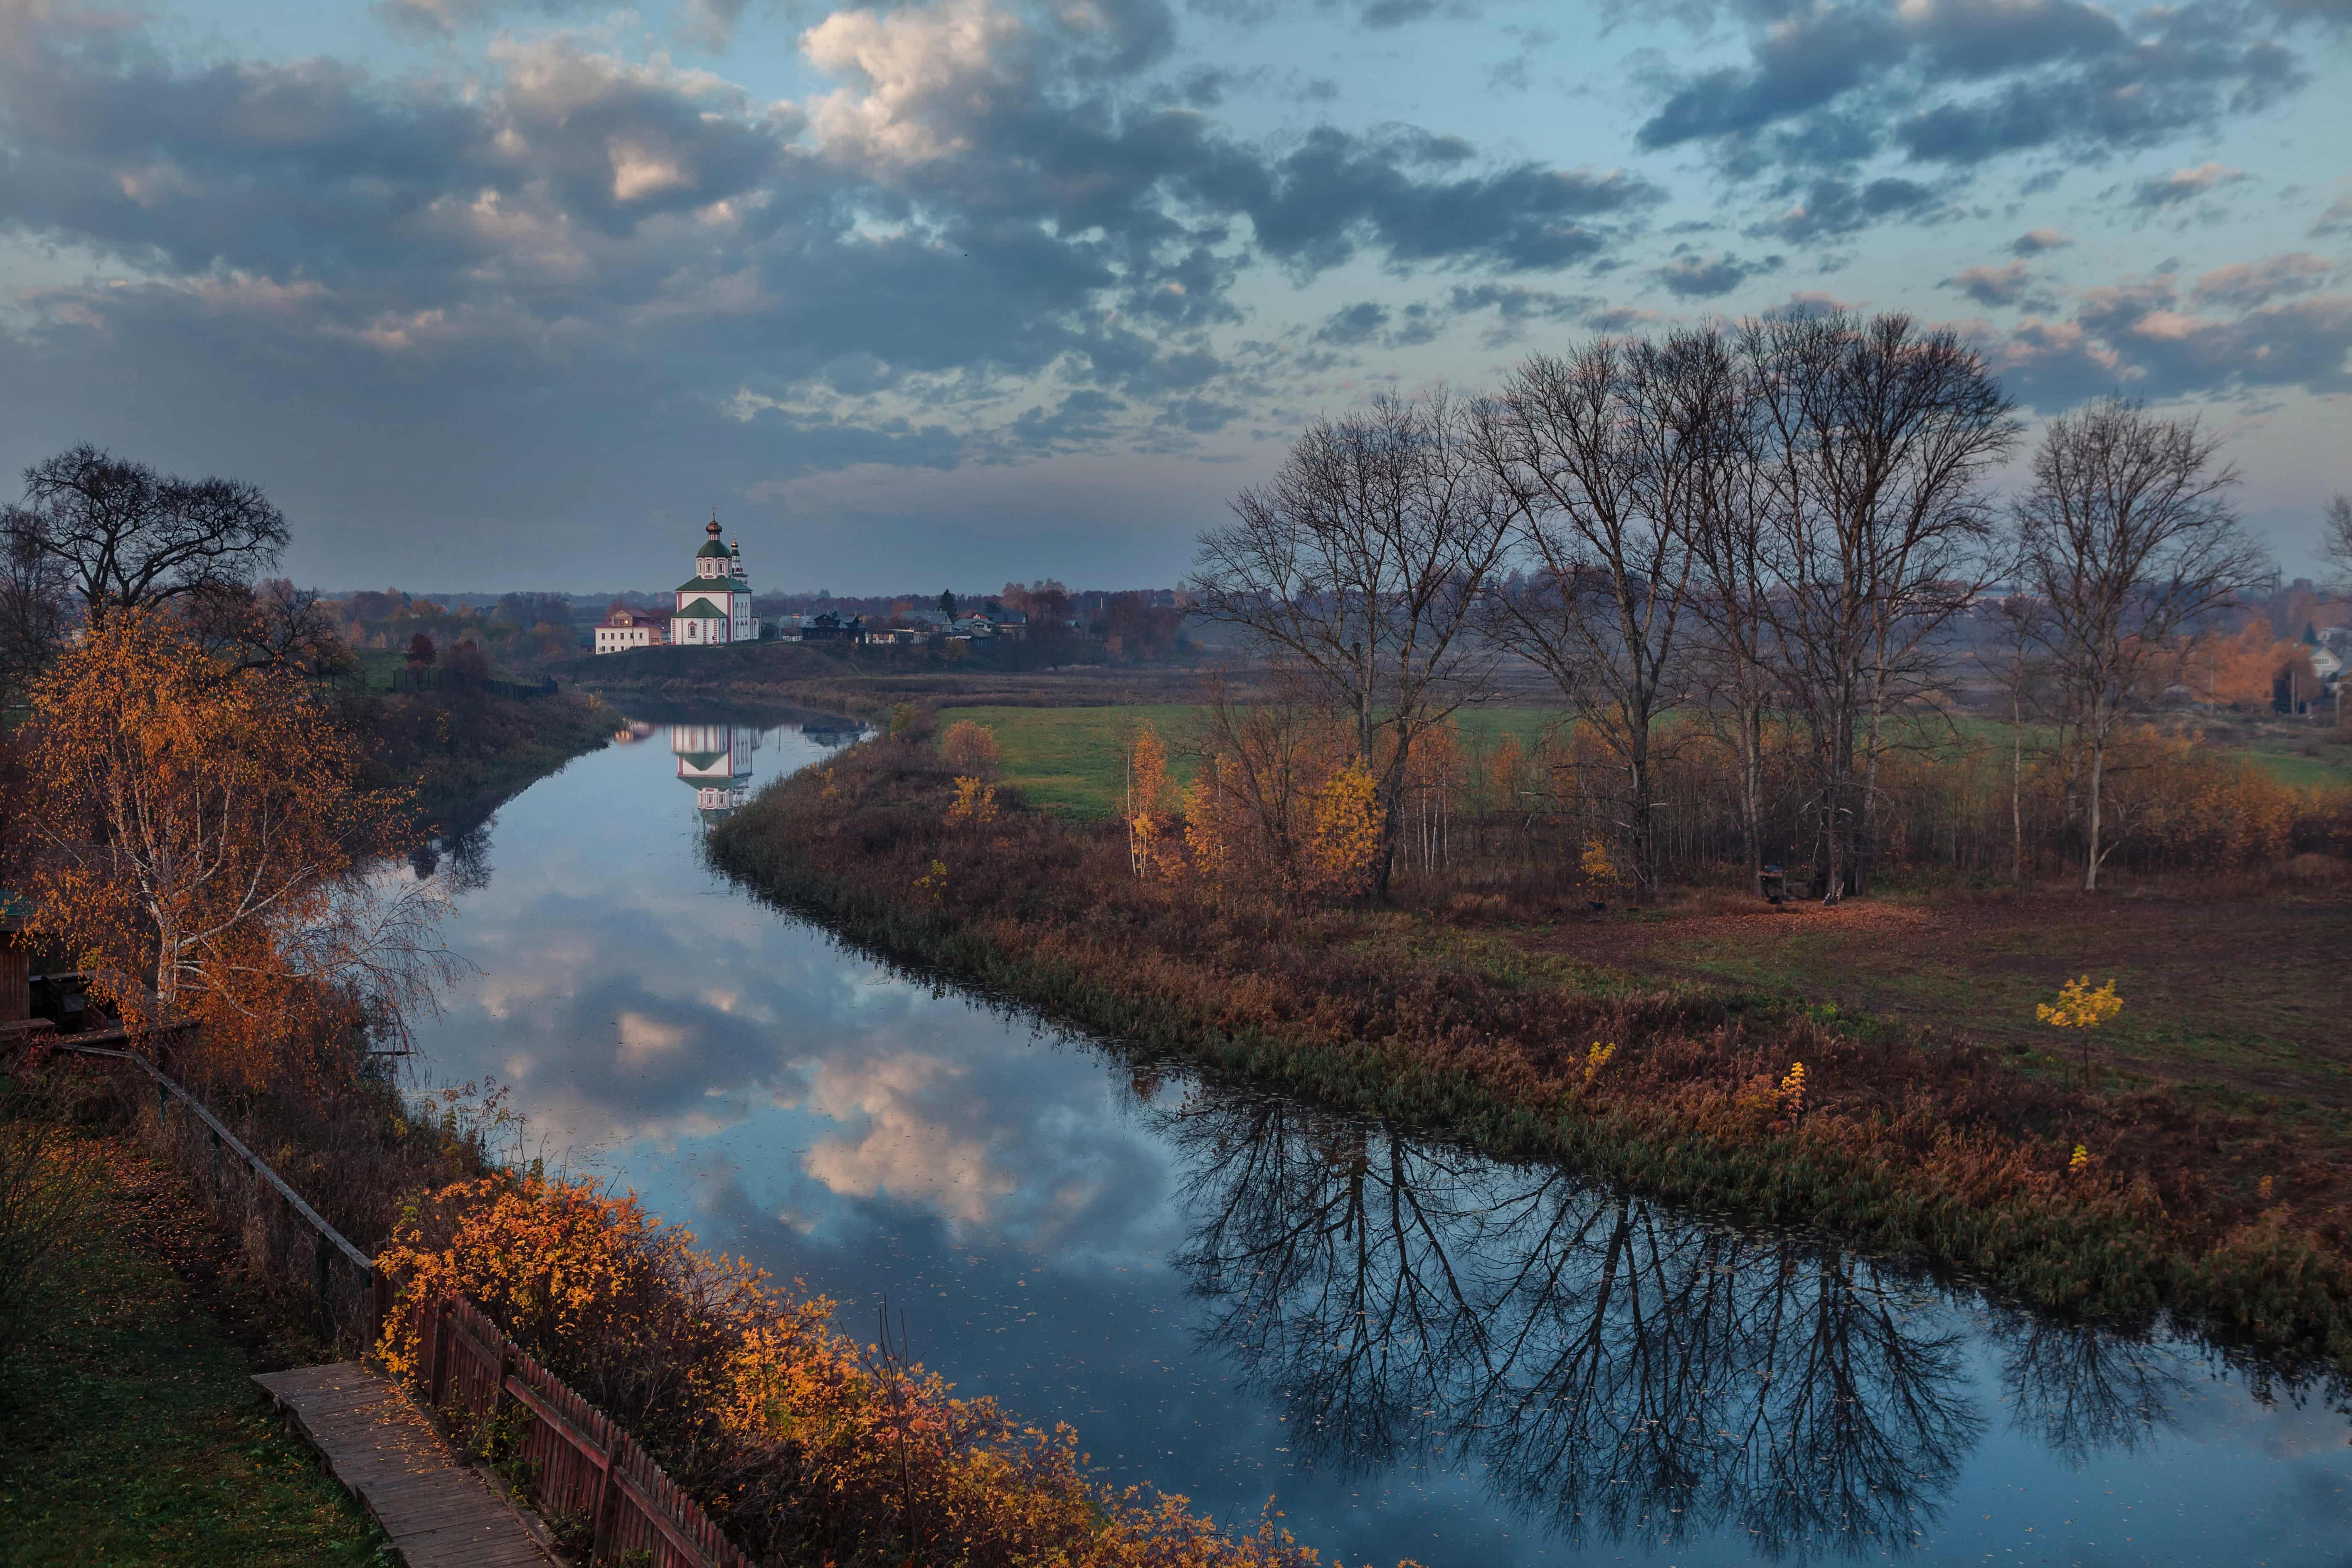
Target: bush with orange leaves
x,y
804,1444
971,748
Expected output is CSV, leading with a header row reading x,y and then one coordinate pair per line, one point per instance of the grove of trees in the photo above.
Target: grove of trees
x,y
1761,566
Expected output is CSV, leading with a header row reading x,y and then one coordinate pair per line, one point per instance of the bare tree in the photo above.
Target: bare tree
x,y
1360,565
1872,440
125,535
2336,537
2128,538
1610,460
36,612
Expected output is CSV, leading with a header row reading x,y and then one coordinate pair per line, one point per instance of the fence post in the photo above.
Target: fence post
x,y
599,1517
322,1265
436,1374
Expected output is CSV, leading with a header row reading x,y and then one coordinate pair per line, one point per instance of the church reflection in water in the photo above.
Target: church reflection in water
x,y
716,759
1619,1372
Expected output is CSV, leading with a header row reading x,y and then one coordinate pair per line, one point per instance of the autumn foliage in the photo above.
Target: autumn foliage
x,y
806,1443
199,841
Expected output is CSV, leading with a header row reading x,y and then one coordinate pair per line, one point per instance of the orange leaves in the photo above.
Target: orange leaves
x,y
1145,807
200,846
1344,849
971,748
2079,1006
819,1448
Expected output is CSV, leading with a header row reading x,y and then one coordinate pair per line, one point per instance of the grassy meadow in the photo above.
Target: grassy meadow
x,y
1072,761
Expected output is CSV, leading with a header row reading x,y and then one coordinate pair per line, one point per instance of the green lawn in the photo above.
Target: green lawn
x,y
131,1434
1072,760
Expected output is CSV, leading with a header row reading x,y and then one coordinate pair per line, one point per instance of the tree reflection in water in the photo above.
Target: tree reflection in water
x,y
1619,1369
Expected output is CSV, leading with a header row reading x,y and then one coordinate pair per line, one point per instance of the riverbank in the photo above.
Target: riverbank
x,y
2229,1211
864,682
466,752
134,1432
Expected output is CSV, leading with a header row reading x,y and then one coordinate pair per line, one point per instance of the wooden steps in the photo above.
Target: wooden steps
x,y
436,1509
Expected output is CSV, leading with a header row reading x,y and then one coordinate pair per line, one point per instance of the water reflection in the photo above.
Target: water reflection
x,y
1417,1352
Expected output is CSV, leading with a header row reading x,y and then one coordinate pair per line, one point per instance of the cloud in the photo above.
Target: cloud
x,y
981,218
1696,277
2034,241
2184,184
1838,207
1959,82
2336,219
2134,336
2246,284
1996,286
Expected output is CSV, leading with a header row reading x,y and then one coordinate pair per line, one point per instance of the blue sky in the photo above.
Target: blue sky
x,y
509,293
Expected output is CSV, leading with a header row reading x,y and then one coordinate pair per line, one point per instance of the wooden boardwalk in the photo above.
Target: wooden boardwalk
x,y
435,1508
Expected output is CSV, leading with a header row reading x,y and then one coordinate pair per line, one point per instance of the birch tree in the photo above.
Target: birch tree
x,y
2129,539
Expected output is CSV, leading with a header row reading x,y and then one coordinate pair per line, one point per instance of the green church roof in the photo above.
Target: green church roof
x,y
701,610
713,548
707,585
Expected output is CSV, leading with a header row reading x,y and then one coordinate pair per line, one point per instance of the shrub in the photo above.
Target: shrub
x,y
971,748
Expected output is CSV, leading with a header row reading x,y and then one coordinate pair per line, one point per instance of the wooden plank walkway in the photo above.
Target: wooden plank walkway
x,y
435,1508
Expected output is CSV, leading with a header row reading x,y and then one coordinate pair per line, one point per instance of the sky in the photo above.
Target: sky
x,y
513,294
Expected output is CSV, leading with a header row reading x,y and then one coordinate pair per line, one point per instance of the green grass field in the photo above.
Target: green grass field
x,y
1072,759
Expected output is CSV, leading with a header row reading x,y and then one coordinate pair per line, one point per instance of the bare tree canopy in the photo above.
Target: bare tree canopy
x,y
2336,537
1360,565
1611,459
1871,439
125,535
2128,538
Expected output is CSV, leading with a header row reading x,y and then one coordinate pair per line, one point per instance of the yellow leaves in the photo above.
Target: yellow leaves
x,y
1147,790
1597,866
1344,851
971,748
1596,1059
2081,1163
1792,1090
2079,1006
831,792
933,885
974,804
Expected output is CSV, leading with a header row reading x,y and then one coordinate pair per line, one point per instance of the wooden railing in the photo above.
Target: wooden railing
x,y
577,1464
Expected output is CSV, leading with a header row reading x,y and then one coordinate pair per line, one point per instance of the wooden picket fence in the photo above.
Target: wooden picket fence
x,y
579,1464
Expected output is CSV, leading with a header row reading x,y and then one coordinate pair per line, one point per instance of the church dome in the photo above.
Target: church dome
x,y
714,547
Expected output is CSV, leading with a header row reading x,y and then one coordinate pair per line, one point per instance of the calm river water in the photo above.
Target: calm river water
x,y
1411,1351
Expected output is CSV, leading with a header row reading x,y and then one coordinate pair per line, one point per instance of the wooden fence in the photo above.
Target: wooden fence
x,y
577,1465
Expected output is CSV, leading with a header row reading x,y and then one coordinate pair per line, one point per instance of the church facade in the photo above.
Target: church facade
x,y
712,607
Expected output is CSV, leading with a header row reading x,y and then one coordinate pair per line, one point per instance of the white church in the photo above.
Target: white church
x,y
714,606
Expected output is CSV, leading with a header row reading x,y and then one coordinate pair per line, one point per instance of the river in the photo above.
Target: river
x,y
1411,1351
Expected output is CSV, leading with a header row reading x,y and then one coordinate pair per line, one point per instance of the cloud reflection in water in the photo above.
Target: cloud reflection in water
x,y
1418,1352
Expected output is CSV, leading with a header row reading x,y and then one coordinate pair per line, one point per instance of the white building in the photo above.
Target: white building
x,y
714,606
625,628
